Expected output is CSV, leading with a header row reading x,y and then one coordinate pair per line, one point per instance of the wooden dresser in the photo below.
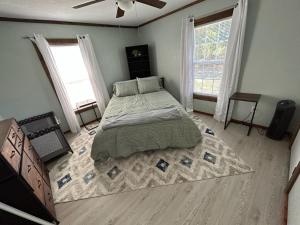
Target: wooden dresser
x,y
24,180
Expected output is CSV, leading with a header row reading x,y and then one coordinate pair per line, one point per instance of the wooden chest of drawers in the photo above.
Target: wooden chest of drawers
x,y
24,179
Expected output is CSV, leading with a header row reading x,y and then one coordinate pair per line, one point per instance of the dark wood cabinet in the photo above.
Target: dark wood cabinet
x,y
138,61
11,155
24,179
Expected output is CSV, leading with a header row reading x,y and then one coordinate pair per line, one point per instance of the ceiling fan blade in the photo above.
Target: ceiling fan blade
x,y
155,3
120,13
86,4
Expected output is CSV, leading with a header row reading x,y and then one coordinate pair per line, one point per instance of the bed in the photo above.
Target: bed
x,y
142,122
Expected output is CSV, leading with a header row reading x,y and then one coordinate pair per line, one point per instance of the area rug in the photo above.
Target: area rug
x,y
76,176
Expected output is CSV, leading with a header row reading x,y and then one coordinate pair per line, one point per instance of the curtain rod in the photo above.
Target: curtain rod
x,y
224,9
232,6
32,37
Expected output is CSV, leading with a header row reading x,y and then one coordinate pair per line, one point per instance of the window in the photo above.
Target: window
x,y
210,50
73,73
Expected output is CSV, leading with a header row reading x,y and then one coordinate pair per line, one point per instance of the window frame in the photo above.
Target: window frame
x,y
204,21
58,42
62,41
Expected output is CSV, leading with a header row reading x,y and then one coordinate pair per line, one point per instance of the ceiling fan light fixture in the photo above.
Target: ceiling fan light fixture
x,y
125,5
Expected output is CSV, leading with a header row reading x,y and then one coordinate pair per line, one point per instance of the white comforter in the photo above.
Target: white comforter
x,y
155,115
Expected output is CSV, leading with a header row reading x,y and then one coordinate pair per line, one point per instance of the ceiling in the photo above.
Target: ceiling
x,y
103,12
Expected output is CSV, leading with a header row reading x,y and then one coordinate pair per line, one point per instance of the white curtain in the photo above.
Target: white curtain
x,y
94,72
233,59
186,66
59,86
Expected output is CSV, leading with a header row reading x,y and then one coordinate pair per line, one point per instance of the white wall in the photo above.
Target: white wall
x,y
270,60
24,87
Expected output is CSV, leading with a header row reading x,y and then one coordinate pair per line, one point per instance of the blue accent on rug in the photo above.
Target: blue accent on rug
x,y
210,157
89,176
186,162
209,131
114,172
82,150
66,179
162,165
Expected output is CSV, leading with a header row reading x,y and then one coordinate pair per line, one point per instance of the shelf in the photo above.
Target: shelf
x,y
139,66
143,70
142,61
136,57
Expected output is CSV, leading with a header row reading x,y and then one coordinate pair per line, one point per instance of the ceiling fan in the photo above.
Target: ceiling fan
x,y
125,5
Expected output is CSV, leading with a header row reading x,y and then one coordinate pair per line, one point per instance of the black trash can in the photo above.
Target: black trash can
x,y
283,115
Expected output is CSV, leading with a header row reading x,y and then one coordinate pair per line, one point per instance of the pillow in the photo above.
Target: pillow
x,y
149,84
125,88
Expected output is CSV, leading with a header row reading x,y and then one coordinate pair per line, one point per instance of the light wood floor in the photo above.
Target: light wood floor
x,y
248,199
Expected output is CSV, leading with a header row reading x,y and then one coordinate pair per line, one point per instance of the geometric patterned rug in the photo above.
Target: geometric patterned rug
x,y
76,176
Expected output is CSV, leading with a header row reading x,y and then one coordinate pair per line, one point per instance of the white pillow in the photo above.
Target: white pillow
x,y
125,88
148,84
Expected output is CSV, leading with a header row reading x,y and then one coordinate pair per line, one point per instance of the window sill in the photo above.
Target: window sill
x,y
208,98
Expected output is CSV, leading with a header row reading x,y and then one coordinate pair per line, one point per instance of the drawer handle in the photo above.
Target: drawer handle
x,y
28,168
12,154
20,144
50,197
39,184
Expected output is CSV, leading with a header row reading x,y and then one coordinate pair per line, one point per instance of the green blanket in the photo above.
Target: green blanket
x,y
125,140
